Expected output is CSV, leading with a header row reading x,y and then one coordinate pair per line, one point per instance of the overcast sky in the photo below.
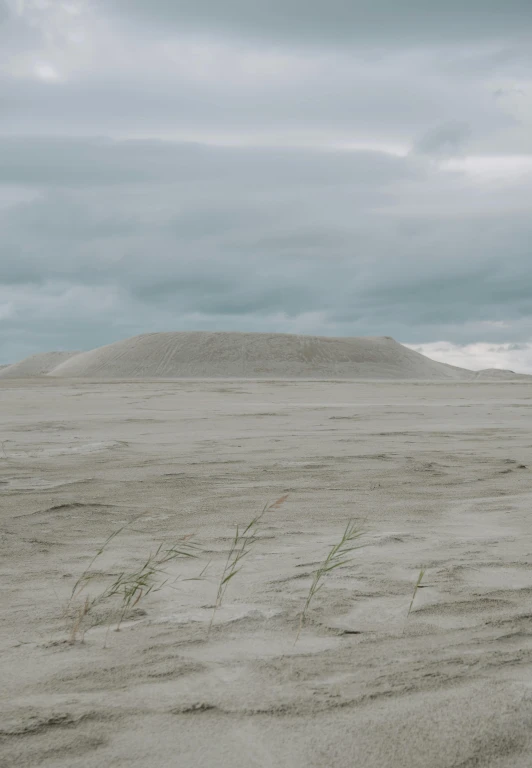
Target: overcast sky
x,y
348,167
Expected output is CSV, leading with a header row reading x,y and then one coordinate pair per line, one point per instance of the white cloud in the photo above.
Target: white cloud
x,y
46,72
492,167
476,357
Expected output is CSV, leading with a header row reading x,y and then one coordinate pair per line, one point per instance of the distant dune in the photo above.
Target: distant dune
x,y
498,374
254,355
36,365
202,354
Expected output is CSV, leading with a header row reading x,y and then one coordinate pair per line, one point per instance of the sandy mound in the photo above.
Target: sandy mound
x,y
36,365
498,374
255,355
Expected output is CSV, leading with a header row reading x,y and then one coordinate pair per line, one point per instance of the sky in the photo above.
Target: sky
x,y
342,168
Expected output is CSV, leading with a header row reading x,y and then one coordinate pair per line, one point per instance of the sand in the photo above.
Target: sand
x,y
248,355
437,474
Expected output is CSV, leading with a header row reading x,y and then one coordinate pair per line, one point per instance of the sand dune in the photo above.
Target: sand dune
x,y
255,355
498,374
202,354
36,365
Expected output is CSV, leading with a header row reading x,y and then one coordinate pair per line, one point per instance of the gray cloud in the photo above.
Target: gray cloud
x,y
337,21
192,236
447,139
347,99
101,162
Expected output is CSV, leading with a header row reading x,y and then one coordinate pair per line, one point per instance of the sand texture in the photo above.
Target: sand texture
x,y
249,355
436,474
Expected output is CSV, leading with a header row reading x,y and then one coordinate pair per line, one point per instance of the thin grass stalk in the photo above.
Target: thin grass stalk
x,y
132,586
416,588
241,546
338,555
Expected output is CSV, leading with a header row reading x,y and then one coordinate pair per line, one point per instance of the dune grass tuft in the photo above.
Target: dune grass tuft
x,y
87,574
241,546
339,554
130,587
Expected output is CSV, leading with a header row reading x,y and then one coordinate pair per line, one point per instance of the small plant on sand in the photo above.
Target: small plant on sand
x,y
82,611
416,587
339,554
86,576
241,546
130,587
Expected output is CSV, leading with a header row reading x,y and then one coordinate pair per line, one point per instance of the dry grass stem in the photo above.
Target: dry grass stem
x,y
86,576
130,586
416,587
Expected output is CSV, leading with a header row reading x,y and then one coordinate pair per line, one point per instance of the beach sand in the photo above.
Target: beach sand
x,y
438,475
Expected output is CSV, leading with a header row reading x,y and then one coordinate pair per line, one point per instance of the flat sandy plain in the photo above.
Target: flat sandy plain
x,y
438,475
